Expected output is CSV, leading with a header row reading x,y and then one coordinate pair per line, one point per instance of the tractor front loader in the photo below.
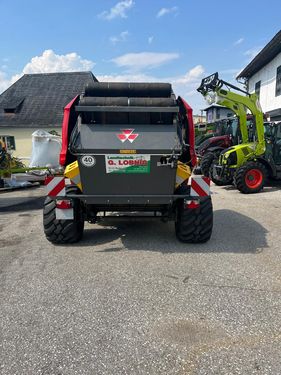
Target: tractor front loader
x,y
208,152
245,162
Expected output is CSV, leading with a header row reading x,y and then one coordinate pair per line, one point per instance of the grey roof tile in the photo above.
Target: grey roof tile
x,y
39,99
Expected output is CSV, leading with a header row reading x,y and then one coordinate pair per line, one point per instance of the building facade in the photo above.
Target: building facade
x,y
263,76
199,119
216,112
36,101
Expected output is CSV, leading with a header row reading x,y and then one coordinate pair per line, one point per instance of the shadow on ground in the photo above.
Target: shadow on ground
x,y
18,204
232,233
271,186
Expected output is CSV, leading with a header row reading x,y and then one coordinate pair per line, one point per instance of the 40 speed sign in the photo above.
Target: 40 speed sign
x,y
88,160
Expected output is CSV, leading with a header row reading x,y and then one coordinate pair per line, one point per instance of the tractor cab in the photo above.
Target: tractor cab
x,y
272,132
227,133
233,129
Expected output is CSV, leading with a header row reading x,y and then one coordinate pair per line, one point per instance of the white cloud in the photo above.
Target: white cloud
x,y
184,82
119,10
252,52
4,82
122,37
49,62
192,75
129,77
238,41
184,85
144,60
150,39
187,83
163,11
231,72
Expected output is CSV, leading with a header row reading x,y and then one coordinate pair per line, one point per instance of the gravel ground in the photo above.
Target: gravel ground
x,y
131,299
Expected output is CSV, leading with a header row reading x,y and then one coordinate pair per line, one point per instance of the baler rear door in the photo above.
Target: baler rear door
x,y
127,161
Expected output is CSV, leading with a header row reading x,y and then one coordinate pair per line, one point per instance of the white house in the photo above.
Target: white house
x,y
217,112
263,76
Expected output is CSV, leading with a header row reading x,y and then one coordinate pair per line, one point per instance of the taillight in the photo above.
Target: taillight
x,y
192,204
63,204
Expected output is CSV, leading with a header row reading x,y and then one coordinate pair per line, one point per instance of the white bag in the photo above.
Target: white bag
x,y
45,149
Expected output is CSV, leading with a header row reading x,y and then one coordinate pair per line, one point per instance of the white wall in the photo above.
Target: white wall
x,y
23,138
267,76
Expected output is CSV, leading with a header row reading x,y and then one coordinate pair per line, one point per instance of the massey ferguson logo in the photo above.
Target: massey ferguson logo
x,y
127,134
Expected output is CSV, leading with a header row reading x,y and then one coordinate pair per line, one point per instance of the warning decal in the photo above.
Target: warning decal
x,y
127,163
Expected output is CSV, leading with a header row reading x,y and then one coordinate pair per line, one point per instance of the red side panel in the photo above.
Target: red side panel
x,y
191,131
65,124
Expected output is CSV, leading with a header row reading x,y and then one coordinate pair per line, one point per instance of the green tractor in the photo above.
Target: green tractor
x,y
248,164
236,131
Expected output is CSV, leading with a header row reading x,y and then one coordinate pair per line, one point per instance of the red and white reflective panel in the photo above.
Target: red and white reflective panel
x,y
127,134
55,186
199,186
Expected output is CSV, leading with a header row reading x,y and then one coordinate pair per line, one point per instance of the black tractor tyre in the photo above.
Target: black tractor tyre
x,y
251,177
206,163
63,231
219,181
194,225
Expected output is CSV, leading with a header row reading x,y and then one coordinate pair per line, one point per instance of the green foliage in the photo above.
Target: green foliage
x,y
8,162
54,132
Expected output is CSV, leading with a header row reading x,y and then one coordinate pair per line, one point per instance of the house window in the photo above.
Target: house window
x,y
9,141
258,88
218,113
13,105
209,116
278,81
278,135
9,110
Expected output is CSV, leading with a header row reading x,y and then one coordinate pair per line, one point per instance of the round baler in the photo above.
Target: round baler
x,y
127,148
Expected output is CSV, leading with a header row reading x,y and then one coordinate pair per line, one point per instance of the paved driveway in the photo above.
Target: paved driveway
x,y
130,299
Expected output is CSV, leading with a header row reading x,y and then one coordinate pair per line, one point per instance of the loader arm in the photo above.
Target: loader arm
x,y
212,86
240,112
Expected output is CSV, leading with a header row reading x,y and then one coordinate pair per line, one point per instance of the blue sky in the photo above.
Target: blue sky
x,y
170,40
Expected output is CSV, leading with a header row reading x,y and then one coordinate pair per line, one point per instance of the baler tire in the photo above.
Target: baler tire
x,y
63,231
240,178
194,225
206,163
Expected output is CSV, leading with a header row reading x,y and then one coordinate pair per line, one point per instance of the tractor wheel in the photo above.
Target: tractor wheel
x,y
194,225
251,177
206,163
63,231
218,180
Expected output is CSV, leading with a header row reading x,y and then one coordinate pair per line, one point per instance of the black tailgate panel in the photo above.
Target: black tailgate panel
x,y
155,139
95,180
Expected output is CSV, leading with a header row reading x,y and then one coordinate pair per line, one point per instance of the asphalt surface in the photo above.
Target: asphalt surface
x,y
131,299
